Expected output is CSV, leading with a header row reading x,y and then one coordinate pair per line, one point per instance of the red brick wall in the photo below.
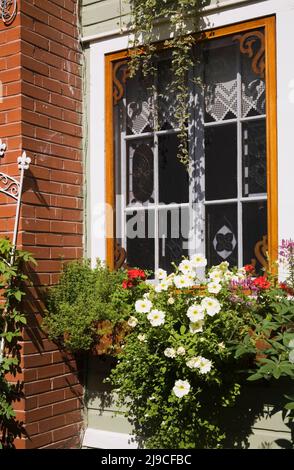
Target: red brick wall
x,y
46,121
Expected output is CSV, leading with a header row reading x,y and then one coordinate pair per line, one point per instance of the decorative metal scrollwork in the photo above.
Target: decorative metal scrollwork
x,y
8,10
120,76
247,42
260,251
9,186
119,256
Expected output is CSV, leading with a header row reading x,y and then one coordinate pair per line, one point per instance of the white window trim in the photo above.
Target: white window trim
x,y
284,11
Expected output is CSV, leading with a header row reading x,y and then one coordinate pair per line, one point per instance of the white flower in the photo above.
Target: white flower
x,y
196,327
146,296
143,306
182,281
181,388
193,363
212,306
142,338
291,344
198,261
195,313
160,274
162,286
214,287
291,356
222,345
181,351
204,365
132,322
216,275
170,352
156,317
185,266
171,301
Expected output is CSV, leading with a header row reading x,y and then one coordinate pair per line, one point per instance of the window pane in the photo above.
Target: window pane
x,y
221,162
253,82
254,158
139,105
254,229
221,234
140,172
140,239
173,236
166,97
220,78
173,176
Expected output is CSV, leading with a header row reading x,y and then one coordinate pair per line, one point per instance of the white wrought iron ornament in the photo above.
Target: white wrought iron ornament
x,y
8,9
12,187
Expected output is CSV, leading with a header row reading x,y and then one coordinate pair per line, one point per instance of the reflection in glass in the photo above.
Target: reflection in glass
x,y
140,239
173,236
254,229
221,162
254,158
221,234
173,176
140,172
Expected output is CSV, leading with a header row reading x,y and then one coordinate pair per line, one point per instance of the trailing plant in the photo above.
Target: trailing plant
x,y
12,320
84,298
192,343
183,17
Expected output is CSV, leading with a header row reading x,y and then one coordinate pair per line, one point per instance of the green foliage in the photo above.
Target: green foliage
x,y
83,297
183,18
12,320
275,328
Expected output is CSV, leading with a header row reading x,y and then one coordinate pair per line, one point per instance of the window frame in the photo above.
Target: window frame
x,y
269,25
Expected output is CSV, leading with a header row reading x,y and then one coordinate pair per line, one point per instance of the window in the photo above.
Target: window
x,y
226,206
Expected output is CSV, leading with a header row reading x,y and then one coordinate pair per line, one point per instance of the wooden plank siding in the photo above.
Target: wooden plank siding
x,y
104,16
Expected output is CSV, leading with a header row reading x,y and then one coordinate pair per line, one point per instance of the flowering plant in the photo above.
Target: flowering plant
x,y
179,370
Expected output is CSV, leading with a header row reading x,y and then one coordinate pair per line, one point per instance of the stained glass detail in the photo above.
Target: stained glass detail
x,y
139,105
254,158
221,162
140,172
254,230
220,78
173,177
221,234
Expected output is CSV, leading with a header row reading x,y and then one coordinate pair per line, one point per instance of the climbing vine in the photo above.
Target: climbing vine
x,y
12,321
184,18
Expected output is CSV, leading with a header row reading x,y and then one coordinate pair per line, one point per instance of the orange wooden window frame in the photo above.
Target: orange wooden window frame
x,y
269,25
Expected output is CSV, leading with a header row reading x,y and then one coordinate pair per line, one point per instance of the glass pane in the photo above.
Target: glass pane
x,y
139,105
221,234
166,97
140,239
140,172
221,162
173,176
220,79
254,231
254,158
253,81
173,236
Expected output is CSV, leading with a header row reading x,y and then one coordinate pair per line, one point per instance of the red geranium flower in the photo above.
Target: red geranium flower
x,y
249,268
127,284
286,288
261,282
136,274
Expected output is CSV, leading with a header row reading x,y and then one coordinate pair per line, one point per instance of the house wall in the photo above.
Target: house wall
x,y
270,431
102,17
42,114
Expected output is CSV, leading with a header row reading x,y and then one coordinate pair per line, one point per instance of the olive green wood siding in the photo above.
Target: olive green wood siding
x,y
104,16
